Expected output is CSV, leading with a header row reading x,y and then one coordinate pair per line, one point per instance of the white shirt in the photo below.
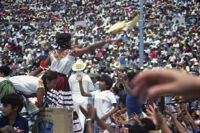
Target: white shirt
x,y
25,84
74,85
103,102
4,78
63,65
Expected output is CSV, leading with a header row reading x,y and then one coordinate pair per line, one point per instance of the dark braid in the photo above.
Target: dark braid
x,y
48,75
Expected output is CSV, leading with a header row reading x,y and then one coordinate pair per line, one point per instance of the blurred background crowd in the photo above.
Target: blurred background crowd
x,y
28,31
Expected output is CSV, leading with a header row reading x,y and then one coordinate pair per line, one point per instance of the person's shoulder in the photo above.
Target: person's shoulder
x,y
2,117
22,119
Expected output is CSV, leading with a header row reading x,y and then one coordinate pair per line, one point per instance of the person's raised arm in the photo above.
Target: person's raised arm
x,y
126,85
81,51
180,128
165,82
83,93
90,114
157,118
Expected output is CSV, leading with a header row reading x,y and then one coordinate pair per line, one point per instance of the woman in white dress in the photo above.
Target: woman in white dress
x,y
61,61
29,85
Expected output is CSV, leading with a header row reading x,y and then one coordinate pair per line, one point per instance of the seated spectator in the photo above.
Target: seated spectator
x,y
12,105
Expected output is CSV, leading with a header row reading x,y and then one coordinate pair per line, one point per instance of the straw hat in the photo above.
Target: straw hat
x,y
79,65
117,64
154,61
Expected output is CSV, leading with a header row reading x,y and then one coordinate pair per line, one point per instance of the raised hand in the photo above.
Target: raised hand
x,y
164,82
136,118
79,78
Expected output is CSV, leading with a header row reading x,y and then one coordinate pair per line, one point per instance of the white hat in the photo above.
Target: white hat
x,y
79,65
154,61
117,64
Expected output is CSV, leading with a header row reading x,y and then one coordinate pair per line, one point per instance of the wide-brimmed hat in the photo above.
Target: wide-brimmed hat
x,y
79,65
117,64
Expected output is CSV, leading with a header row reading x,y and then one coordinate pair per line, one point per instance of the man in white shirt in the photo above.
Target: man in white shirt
x,y
78,99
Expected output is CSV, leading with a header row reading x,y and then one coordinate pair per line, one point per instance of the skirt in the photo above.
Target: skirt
x,y
61,97
6,87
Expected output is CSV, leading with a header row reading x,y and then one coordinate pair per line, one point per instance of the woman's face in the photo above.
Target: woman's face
x,y
51,84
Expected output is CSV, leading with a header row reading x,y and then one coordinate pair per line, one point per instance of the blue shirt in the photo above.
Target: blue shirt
x,y
133,105
20,122
123,59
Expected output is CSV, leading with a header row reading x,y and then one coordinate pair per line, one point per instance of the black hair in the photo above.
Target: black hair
x,y
107,80
48,75
5,70
62,40
131,75
136,129
148,124
122,98
14,100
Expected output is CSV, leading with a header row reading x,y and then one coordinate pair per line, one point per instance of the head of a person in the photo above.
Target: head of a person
x,y
63,40
12,103
49,79
136,129
105,82
130,77
148,124
5,71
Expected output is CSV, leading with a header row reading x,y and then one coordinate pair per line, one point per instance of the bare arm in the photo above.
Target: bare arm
x,y
81,51
111,112
40,94
165,82
39,69
83,93
125,82
90,114
157,118
190,119
90,127
103,126
180,128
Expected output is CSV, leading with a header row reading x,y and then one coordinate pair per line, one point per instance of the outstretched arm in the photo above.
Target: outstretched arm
x,y
83,93
81,51
165,82
126,85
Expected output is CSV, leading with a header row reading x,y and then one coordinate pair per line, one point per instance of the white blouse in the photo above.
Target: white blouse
x,y
61,63
27,85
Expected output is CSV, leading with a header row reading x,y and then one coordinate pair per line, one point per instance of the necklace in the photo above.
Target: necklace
x,y
61,55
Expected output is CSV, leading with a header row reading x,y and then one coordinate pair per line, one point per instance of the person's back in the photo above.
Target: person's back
x,y
12,105
133,105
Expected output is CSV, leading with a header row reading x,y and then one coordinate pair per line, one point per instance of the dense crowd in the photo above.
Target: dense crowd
x,y
29,30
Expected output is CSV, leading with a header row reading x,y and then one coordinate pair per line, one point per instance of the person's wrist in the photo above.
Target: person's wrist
x,y
89,120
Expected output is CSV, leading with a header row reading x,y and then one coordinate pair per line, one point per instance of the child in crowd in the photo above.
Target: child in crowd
x,y
12,105
104,99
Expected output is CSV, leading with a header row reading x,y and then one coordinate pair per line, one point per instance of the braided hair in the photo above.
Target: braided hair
x,y
48,75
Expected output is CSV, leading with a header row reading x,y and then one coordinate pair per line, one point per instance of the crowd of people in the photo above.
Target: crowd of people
x,y
36,35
